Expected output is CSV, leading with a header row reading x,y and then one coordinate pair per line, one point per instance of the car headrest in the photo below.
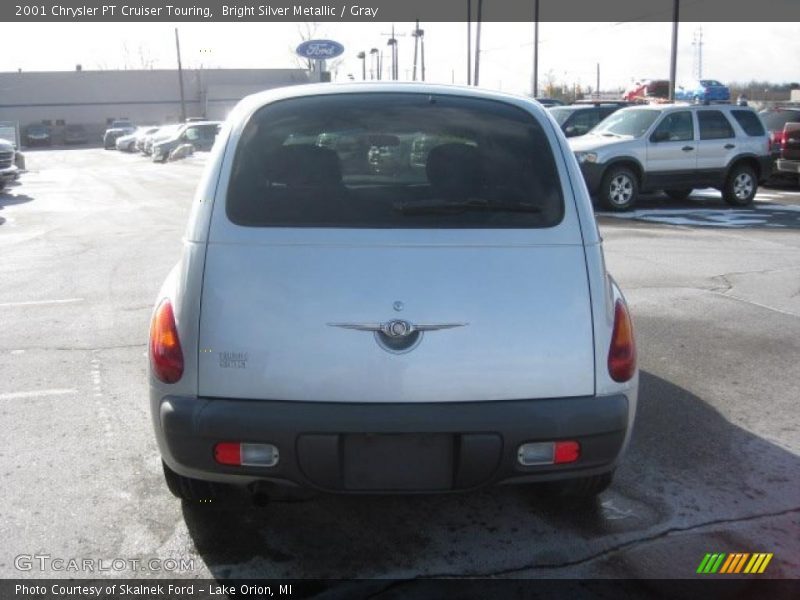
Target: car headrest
x,y
454,170
304,164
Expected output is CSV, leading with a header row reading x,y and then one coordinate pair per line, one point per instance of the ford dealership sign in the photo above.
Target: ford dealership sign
x,y
319,49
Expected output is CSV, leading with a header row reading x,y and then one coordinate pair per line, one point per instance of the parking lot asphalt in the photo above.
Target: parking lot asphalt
x,y
86,238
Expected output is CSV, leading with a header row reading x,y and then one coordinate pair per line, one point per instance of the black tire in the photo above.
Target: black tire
x,y
619,189
581,489
191,490
682,194
740,186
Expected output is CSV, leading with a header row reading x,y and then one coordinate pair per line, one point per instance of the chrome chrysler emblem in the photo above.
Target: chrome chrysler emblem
x,y
397,328
397,336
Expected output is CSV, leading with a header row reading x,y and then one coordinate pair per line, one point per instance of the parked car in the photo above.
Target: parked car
x,y
127,143
647,90
164,132
550,102
200,134
789,161
38,135
8,169
775,119
143,135
436,334
703,91
674,148
75,134
579,119
116,131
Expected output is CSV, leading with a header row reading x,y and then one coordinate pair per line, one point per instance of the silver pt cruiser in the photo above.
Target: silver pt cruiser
x,y
438,326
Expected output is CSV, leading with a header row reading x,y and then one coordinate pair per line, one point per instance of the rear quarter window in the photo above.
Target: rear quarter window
x,y
714,125
749,122
394,161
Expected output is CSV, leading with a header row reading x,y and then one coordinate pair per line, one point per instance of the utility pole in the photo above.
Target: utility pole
x,y
478,44
416,50
393,43
469,42
180,76
673,63
535,48
697,44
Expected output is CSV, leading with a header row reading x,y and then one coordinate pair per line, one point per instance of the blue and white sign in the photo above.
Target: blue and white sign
x,y
320,49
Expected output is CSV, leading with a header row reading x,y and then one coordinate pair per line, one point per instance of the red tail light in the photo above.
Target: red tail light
x,y
166,356
622,353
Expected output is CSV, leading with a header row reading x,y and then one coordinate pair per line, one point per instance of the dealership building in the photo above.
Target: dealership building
x,y
95,98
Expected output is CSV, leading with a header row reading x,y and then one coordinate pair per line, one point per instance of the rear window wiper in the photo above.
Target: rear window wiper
x,y
439,207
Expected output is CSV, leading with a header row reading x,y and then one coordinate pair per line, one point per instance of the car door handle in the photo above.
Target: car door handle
x,y
687,148
730,146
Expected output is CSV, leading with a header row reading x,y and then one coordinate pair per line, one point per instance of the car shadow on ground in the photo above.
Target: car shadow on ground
x,y
7,198
677,475
707,212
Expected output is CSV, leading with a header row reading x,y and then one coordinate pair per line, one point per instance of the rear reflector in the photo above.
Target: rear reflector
x,y
548,453
246,455
567,452
228,453
166,356
622,353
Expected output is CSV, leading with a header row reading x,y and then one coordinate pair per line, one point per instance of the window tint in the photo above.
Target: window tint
x,y
583,120
395,161
713,125
749,121
675,127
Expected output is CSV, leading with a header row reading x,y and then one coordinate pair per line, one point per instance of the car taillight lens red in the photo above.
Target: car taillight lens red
x,y
228,453
622,353
566,452
166,356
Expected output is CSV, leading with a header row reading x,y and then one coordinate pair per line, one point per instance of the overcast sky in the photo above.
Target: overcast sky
x,y
570,51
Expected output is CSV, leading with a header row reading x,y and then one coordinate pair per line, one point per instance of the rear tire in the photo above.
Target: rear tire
x,y
619,189
682,194
740,186
191,490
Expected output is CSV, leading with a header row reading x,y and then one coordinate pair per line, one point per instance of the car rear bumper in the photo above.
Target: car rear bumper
x,y
787,166
9,173
322,444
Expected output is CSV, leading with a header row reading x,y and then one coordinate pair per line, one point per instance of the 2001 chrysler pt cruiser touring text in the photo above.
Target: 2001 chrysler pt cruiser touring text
x,y
439,325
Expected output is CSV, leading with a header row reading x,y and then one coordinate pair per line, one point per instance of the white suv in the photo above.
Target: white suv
x,y
674,148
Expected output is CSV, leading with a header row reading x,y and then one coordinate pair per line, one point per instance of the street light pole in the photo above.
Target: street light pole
x,y
673,64
469,42
535,48
478,44
180,76
363,58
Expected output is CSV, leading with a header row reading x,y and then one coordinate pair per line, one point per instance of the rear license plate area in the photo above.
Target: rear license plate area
x,y
396,462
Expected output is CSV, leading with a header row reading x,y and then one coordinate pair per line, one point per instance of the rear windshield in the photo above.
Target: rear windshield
x,y
749,121
774,120
394,161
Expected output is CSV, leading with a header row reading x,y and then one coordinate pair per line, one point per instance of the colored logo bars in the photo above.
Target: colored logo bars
x,y
739,562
